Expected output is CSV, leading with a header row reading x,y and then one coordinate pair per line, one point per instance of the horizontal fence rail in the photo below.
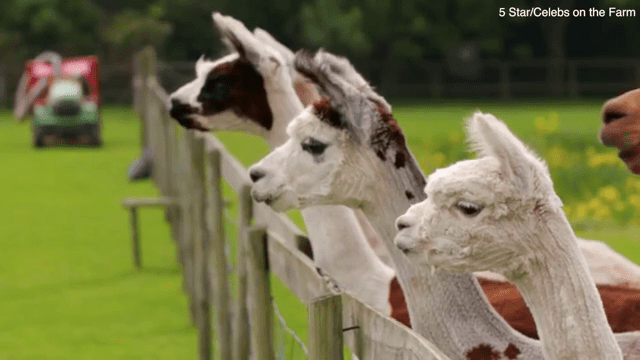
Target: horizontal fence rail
x,y
189,169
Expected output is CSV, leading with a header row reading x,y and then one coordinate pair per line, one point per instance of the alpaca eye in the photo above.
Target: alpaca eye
x,y
313,146
469,209
216,89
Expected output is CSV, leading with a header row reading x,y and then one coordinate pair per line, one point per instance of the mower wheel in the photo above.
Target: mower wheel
x,y
38,135
95,135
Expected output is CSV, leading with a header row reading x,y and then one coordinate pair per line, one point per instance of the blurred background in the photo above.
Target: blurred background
x,y
412,49
68,289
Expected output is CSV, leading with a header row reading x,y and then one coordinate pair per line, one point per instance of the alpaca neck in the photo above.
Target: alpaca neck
x,y
339,246
341,250
563,299
449,310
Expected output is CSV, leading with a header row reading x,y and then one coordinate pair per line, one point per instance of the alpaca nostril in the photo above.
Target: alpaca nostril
x,y
610,116
401,225
179,110
181,113
404,222
613,111
256,174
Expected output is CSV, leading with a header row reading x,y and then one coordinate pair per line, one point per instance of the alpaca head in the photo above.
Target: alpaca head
x,y
230,93
621,127
481,214
336,147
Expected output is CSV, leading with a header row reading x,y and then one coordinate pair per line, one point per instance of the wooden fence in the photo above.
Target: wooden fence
x,y
189,169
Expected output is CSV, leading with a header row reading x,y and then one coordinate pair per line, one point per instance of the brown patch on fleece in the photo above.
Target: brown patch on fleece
x,y
511,352
398,304
508,302
244,93
621,305
327,114
483,352
389,135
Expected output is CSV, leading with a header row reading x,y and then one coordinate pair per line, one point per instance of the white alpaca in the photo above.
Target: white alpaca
x,y
500,213
254,90
349,150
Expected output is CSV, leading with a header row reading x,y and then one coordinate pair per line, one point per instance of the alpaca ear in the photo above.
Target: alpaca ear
x,y
489,136
358,111
238,38
200,64
264,37
342,67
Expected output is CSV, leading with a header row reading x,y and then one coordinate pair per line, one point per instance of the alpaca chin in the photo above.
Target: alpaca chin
x,y
284,202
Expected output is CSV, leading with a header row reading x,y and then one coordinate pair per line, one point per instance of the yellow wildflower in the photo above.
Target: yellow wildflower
x,y
545,126
581,211
634,200
609,193
595,203
558,157
602,212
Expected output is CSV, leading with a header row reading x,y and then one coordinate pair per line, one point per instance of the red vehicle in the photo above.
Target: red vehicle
x,y
63,96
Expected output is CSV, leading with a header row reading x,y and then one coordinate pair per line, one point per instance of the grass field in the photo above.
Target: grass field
x,y
67,286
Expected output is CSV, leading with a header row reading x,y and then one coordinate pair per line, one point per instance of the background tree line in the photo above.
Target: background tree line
x,y
374,34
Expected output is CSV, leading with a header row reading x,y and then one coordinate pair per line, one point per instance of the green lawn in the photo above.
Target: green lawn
x,y
67,286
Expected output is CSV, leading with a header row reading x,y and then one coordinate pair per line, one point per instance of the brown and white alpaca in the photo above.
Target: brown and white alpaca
x,y
621,127
256,90
499,212
349,150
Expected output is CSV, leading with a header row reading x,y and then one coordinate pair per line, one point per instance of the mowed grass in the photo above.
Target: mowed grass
x,y
67,285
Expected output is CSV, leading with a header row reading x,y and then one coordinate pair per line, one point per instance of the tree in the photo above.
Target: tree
x,y
131,30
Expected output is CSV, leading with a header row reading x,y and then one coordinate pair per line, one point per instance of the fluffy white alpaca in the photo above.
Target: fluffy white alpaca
x,y
256,90
349,150
500,213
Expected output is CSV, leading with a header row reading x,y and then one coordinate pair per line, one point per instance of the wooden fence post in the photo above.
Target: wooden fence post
x,y
241,323
221,291
135,241
201,248
148,70
259,295
325,328
187,211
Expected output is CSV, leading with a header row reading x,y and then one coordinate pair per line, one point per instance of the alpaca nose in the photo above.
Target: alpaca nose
x,y
405,244
621,106
404,222
256,174
179,110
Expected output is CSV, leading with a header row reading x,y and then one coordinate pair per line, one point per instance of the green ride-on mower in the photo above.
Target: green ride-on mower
x,y
64,99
